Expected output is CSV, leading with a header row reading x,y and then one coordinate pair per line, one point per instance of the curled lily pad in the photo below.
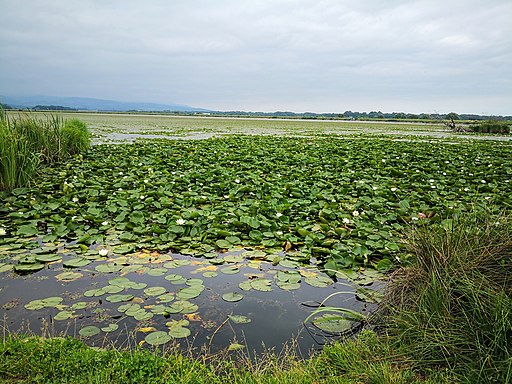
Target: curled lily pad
x,y
27,268
4,267
245,285
175,279
157,338
232,296
89,331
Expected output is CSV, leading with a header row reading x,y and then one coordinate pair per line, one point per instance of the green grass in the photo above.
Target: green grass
x,y
59,360
27,143
453,307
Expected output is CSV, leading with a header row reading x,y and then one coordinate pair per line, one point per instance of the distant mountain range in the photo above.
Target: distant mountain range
x,y
90,104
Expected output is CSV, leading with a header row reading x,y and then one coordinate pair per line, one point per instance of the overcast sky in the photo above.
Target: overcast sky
x,y
264,55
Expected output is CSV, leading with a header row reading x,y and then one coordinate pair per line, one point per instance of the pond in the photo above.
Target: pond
x,y
233,300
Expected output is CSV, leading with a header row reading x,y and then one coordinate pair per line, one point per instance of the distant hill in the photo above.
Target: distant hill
x,y
90,104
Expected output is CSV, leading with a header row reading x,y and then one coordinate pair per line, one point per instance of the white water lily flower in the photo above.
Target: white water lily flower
x,y
3,232
355,213
414,218
383,160
146,180
279,233
483,181
120,173
393,189
279,214
375,188
103,252
142,197
104,223
237,181
346,221
180,221
75,199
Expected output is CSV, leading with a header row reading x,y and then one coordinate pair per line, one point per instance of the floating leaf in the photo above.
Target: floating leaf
x,y
27,230
166,297
190,292
110,328
333,323
210,274
158,338
118,298
235,347
155,291
239,319
63,315
262,285
157,271
68,276
89,331
232,296
79,305
108,267
230,270
179,332
48,258
4,267
25,268
76,262
369,295
319,281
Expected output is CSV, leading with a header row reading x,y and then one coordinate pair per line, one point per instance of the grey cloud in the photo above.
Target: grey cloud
x,y
265,55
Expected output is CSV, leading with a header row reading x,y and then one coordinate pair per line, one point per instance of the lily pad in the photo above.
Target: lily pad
x,y
332,323
230,270
63,315
76,262
232,296
110,328
318,281
118,298
89,331
155,291
239,319
68,276
26,268
158,338
179,332
48,258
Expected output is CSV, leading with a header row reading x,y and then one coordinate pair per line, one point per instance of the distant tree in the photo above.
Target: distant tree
x,y
452,116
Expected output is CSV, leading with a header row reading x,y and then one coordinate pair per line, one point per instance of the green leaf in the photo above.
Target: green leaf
x,y
232,296
89,331
157,338
239,319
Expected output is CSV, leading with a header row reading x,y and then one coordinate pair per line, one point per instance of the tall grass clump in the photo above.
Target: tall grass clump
x,y
26,143
453,307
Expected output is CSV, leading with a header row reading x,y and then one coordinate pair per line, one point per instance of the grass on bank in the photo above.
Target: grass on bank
x,y
27,143
453,307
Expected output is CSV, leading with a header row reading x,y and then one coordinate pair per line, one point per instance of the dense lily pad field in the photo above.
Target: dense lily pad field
x,y
279,208
338,203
